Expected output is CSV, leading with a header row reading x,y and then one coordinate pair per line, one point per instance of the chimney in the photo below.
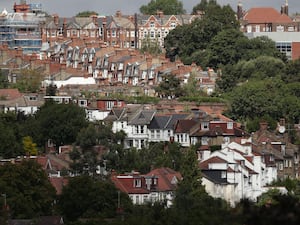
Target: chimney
x,y
239,11
118,14
104,29
160,13
55,19
285,8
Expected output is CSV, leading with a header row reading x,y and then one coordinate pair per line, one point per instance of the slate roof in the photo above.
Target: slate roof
x,y
144,117
214,176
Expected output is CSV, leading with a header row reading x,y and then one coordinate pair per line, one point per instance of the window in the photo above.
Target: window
x,y
137,199
113,33
152,24
142,129
152,34
223,175
230,125
137,183
204,125
173,25
204,141
257,28
286,163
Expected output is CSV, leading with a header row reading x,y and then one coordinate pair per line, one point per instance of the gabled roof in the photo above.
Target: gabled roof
x,y
167,178
126,184
159,122
204,164
184,126
144,117
266,15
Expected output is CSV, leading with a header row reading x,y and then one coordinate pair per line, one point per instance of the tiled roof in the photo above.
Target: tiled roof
x,y
266,15
9,94
126,184
184,126
167,178
58,183
215,159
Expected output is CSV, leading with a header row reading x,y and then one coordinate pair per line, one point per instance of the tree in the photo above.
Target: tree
x,y
86,14
169,87
191,40
29,147
59,122
150,46
265,97
29,193
85,197
168,7
29,80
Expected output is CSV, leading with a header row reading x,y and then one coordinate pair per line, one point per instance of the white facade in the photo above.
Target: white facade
x,y
244,174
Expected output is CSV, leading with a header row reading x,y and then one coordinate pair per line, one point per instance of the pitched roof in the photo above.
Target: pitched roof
x,y
266,15
143,117
184,126
167,178
10,94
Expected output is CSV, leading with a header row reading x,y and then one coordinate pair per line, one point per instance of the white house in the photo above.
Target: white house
x,y
235,172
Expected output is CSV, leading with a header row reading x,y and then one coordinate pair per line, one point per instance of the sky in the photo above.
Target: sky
x,y
69,8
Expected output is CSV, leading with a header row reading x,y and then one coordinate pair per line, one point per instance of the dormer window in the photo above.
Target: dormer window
x,y
204,125
137,183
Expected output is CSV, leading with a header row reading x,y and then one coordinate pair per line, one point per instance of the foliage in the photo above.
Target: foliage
x,y
168,7
86,14
10,135
157,155
51,90
150,46
28,81
29,147
3,80
189,42
266,97
28,191
85,197
59,122
169,87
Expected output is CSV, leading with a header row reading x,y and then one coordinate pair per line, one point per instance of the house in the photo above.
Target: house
x,y
215,129
138,137
277,150
235,172
278,26
161,127
14,101
156,186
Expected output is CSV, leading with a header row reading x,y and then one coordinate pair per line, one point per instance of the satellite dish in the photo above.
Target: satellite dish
x,y
281,129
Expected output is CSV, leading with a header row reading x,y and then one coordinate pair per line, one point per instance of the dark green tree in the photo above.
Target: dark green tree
x,y
29,193
85,197
169,87
189,42
59,122
168,7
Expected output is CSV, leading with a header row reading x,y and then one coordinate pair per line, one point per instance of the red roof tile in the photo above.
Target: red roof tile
x,y
266,15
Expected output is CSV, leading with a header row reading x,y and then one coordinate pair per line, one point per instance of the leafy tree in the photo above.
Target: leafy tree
x,y
59,122
293,71
260,98
85,197
224,48
51,90
3,80
189,42
169,87
29,193
29,147
168,7
150,46
201,6
86,14
29,81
